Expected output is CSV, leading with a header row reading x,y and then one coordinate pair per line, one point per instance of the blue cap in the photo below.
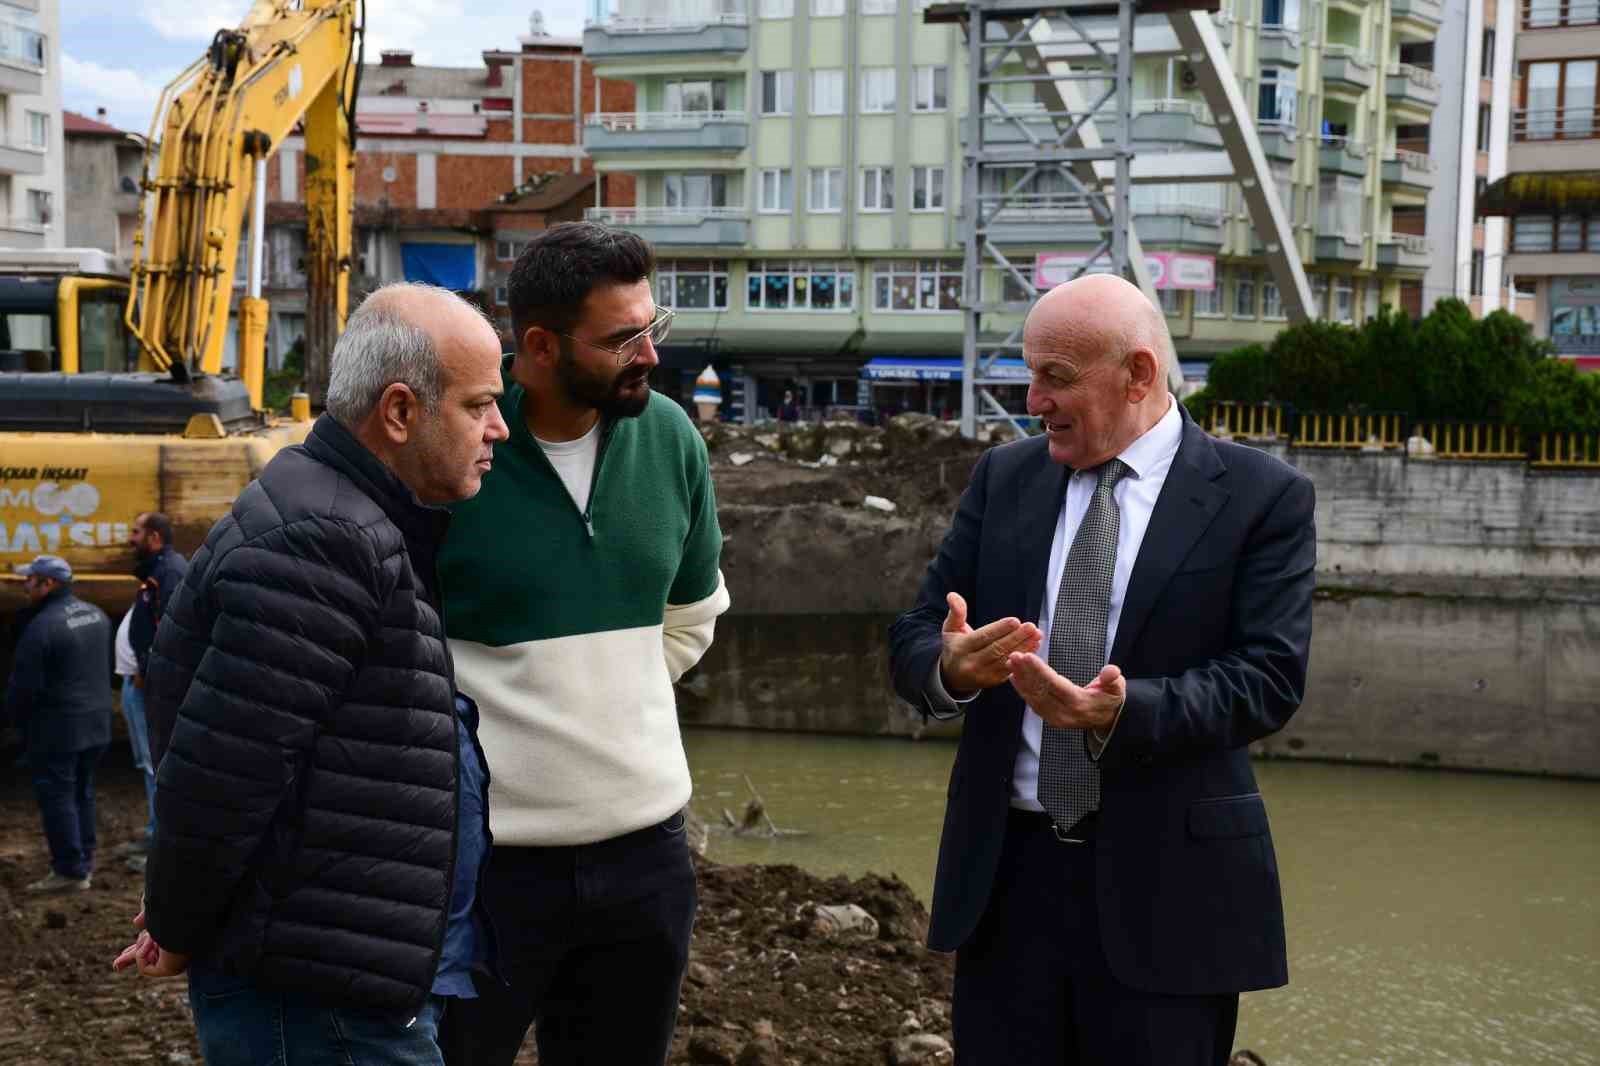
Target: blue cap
x,y
51,566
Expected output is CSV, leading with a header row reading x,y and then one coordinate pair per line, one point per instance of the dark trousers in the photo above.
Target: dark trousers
x,y
63,783
593,942
1033,987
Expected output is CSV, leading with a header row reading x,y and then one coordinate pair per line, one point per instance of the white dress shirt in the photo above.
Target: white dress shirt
x,y
1148,459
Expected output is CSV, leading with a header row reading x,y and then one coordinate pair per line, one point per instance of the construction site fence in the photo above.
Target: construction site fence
x,y
1385,431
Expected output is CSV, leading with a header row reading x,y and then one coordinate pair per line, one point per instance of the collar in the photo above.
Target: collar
x,y
333,444
1157,445
145,567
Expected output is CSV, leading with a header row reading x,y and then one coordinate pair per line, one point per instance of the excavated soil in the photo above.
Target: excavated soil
x,y
763,988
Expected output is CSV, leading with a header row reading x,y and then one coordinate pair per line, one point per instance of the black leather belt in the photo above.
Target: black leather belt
x,y
1082,831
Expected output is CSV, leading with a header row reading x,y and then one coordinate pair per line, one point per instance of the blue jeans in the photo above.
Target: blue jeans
x,y
241,1025
139,741
63,783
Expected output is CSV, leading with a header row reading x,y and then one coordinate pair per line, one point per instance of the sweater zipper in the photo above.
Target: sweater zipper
x,y
586,514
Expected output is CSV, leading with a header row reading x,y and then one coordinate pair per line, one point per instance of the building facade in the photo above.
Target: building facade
x,y
103,168
31,143
1549,199
455,168
799,163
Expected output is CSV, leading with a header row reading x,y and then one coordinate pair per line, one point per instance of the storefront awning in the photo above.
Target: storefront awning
x,y
1551,193
895,368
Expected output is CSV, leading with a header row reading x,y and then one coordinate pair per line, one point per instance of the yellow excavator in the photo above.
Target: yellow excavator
x,y
105,415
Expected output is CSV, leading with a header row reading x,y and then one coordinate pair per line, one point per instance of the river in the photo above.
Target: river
x,y
1433,917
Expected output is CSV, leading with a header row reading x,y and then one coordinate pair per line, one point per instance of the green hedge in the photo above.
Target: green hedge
x,y
1449,365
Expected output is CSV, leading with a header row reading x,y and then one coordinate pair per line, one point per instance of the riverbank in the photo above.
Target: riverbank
x,y
1457,619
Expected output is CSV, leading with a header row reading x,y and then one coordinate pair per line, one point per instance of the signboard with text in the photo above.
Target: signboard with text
x,y
1168,270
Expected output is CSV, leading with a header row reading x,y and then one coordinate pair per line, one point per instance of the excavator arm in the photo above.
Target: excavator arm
x,y
290,61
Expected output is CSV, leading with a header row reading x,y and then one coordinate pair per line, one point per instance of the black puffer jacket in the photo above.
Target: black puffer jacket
x,y
300,699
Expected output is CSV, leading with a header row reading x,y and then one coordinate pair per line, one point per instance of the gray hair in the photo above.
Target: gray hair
x,y
380,347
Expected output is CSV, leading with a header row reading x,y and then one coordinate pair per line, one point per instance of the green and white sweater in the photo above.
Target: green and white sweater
x,y
568,628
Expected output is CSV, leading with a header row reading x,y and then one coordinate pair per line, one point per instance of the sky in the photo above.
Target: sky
x,y
118,55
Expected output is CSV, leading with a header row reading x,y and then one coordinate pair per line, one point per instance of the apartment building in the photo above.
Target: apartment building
x,y
799,169
103,168
31,146
455,168
1549,198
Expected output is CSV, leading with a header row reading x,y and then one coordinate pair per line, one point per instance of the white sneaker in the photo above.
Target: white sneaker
x,y
132,847
54,882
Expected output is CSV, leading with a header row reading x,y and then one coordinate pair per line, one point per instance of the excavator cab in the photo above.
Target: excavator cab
x,y
61,311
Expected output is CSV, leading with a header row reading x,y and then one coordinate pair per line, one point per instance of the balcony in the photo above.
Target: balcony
x,y
626,36
1413,93
678,225
22,57
1416,20
1179,228
1554,138
1277,139
1175,121
700,131
1342,155
16,159
1161,122
1346,71
1341,248
1410,173
1402,251
1559,14
1279,46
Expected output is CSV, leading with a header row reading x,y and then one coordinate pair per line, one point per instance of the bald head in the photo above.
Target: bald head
x,y
1098,353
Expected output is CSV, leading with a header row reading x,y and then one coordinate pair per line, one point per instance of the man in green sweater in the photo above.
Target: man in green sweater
x,y
579,584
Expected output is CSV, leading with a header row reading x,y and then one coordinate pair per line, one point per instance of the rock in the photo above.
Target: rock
x,y
843,920
1246,1057
920,1048
878,503
763,1029
1419,447
910,1023
740,458
772,442
700,974
762,1051
713,1048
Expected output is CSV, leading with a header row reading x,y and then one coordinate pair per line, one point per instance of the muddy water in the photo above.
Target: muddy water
x,y
1434,918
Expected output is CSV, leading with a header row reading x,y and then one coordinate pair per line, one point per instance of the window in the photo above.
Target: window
x,y
879,7
917,285
877,188
1486,64
1344,299
826,8
777,9
1208,302
1275,101
1558,99
38,130
930,88
1171,301
1480,186
1483,127
1014,291
695,190
826,191
507,250
1244,295
39,206
827,91
777,191
1271,299
1533,233
1341,207
1280,14
1475,279
797,285
777,92
500,296
695,96
1319,295
877,90
692,284
927,188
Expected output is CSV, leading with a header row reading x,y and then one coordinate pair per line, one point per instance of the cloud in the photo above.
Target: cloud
x,y
129,96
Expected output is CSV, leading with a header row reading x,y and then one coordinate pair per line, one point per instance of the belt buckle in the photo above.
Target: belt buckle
x,y
1061,835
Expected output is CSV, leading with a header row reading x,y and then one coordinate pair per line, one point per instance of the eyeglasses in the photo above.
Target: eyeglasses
x,y
629,350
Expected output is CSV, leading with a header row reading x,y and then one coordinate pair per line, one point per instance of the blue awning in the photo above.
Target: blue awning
x,y
449,266
935,368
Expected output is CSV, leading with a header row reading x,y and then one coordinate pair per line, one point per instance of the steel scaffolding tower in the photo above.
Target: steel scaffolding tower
x,y
1077,56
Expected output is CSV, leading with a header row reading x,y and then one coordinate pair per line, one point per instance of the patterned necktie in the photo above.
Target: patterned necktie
x,y
1069,781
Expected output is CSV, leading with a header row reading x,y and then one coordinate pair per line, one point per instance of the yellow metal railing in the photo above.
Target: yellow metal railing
x,y
1376,431
1254,421
1569,451
1472,440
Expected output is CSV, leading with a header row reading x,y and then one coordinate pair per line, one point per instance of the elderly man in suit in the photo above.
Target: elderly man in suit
x,y
1122,604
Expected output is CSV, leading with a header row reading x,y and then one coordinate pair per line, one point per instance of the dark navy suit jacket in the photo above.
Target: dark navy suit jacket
x,y
1214,638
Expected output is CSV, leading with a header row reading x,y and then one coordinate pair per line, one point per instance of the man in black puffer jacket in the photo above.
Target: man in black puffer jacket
x,y
318,782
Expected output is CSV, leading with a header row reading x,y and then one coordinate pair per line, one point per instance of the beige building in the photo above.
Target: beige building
x,y
31,143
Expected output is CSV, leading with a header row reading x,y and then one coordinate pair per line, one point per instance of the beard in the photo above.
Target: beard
x,y
623,395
